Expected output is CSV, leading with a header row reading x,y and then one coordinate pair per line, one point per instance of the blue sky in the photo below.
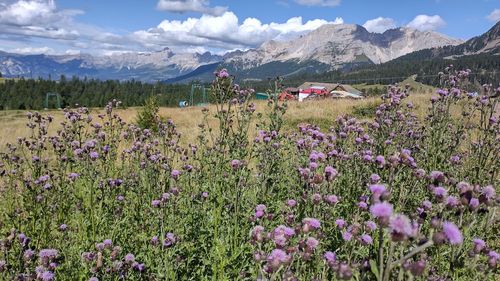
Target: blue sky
x,y
107,26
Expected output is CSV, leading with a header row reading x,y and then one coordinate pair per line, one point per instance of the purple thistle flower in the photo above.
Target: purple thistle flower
x,y
129,258
73,176
347,236
291,203
479,245
175,174
440,192
312,243
488,192
401,224
340,223
452,233
47,276
156,203
381,210
277,258
235,164
94,279
371,225
94,155
310,223
366,239
377,188
374,178
330,173
330,257
331,199
28,255
474,203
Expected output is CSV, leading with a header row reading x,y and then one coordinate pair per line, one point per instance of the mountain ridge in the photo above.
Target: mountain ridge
x,y
328,47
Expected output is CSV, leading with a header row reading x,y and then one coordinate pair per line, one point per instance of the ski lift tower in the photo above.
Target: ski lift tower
x,y
196,89
50,95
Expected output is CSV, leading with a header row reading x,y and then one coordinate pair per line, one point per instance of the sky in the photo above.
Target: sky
x,y
103,27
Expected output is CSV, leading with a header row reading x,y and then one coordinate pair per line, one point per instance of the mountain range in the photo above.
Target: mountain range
x,y
330,47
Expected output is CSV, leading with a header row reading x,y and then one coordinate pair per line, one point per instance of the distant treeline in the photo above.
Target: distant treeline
x,y
485,69
30,93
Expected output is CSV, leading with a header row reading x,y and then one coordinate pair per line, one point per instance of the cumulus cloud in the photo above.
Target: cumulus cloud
x,y
426,23
494,16
225,31
183,6
322,3
33,50
37,18
379,25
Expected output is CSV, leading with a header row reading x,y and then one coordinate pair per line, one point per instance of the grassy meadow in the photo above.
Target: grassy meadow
x,y
400,187
320,112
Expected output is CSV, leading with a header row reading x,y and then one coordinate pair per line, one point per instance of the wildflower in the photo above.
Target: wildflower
x,y
260,210
451,201
452,233
257,233
170,240
400,227
473,203
94,155
381,210
331,199
371,225
479,245
488,192
330,257
347,236
437,176
340,223
155,203
374,178
316,198
312,243
222,73
366,239
108,244
47,276
330,173
73,176
344,272
380,160
417,268
291,203
277,258
28,255
377,189
175,174
440,192
129,258
235,164
362,205
310,223
63,227
94,279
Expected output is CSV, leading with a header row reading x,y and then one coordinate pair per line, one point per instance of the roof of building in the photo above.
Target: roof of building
x,y
330,87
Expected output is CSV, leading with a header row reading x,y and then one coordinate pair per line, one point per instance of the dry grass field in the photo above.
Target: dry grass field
x,y
320,112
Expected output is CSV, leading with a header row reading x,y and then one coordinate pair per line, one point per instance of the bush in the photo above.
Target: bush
x,y
147,117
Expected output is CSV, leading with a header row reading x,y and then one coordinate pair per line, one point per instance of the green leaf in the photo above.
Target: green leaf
x,y
374,269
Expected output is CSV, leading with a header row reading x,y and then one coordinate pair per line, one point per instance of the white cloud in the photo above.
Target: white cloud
x,y
426,23
223,32
72,52
494,16
37,18
33,50
379,25
323,3
183,6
